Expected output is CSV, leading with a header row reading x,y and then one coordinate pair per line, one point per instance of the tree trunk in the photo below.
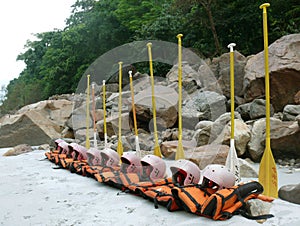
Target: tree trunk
x,y
207,7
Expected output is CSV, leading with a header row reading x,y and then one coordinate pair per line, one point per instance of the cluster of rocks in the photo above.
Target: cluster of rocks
x,y
205,110
205,107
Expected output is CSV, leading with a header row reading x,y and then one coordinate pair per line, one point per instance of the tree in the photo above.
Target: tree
x,y
56,60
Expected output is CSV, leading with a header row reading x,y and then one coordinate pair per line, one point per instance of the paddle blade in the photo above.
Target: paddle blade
x,y
232,162
267,175
120,148
157,151
179,152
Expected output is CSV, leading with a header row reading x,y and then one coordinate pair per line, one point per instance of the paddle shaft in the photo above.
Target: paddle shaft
x,y
156,145
267,83
232,90
120,146
180,151
87,142
104,112
132,104
94,115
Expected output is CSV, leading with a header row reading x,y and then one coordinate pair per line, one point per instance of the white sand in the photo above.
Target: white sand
x,y
33,193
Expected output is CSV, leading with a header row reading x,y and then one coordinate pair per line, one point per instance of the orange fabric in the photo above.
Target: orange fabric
x,y
223,204
76,167
191,197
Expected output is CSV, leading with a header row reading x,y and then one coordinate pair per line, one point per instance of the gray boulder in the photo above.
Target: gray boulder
x,y
205,105
258,109
290,193
284,68
290,112
221,68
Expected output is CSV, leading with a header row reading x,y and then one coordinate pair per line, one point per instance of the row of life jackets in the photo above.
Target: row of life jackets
x,y
217,205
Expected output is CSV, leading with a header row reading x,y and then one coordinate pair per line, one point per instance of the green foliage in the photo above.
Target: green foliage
x,y
56,60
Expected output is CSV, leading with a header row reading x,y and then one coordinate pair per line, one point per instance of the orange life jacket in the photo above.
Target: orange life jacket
x,y
225,203
77,167
65,162
191,197
222,204
119,179
50,155
98,172
158,191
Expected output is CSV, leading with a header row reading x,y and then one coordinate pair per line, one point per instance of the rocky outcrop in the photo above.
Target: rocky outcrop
x,y
190,77
208,154
169,148
166,107
35,124
284,139
284,68
205,107
221,68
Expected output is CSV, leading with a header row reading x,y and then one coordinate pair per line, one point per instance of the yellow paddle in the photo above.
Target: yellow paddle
x,y
232,161
156,145
120,146
267,170
180,151
94,116
137,145
87,137
104,113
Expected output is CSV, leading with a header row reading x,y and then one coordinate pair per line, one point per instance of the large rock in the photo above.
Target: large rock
x,y
214,132
256,144
35,124
297,98
166,107
56,110
247,169
169,148
285,140
208,154
221,68
205,105
290,193
190,77
244,110
242,135
290,112
112,125
78,119
284,68
257,207
258,109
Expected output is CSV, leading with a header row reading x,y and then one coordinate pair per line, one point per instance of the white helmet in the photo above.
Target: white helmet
x,y
217,176
153,167
109,157
93,157
185,172
130,163
80,152
72,153
57,141
63,147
